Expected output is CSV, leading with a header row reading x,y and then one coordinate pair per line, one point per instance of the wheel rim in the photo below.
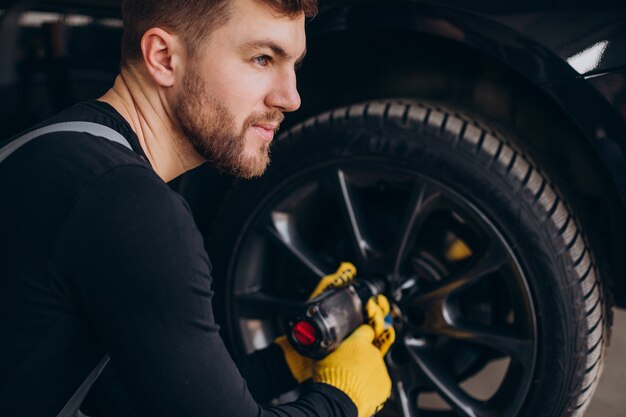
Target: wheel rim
x,y
462,299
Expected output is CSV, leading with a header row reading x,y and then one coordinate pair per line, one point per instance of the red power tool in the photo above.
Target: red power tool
x,y
326,320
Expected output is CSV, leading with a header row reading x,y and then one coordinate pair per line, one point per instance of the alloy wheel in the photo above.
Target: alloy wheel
x,y
466,327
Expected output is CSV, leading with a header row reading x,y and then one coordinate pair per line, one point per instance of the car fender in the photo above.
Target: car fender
x,y
532,43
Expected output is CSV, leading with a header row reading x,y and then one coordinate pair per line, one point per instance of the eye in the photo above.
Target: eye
x,y
262,60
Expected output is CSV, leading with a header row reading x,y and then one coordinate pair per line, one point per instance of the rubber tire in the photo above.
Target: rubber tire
x,y
487,166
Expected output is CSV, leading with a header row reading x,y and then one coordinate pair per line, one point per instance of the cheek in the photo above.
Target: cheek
x,y
239,87
245,89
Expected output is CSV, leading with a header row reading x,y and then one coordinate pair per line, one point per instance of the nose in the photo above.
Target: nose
x,y
284,94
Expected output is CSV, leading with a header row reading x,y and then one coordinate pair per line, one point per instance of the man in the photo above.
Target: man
x,y
98,255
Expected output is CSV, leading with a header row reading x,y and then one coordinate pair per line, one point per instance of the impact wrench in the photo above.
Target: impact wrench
x,y
326,320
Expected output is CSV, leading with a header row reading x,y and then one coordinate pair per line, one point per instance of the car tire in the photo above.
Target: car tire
x,y
274,236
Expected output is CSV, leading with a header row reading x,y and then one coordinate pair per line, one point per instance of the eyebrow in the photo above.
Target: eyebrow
x,y
278,50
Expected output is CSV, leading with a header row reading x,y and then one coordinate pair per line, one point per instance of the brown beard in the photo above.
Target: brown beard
x,y
210,128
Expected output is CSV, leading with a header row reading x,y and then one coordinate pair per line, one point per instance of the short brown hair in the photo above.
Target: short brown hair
x,y
193,20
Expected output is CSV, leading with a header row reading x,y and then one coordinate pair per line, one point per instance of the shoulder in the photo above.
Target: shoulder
x,y
130,202
67,162
134,187
78,151
130,211
47,152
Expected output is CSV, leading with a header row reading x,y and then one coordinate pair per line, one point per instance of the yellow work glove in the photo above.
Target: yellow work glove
x,y
378,309
300,366
344,274
357,367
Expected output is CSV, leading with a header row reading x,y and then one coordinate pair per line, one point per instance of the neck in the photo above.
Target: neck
x,y
145,108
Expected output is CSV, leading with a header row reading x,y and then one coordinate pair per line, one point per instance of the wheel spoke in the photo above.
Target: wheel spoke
x,y
259,304
336,183
423,200
440,379
407,403
494,259
352,214
502,340
405,397
282,232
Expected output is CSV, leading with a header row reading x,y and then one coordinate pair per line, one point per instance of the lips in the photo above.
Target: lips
x,y
266,131
265,124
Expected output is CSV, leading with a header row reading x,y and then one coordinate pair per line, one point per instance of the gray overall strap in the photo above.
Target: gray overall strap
x,y
73,404
95,129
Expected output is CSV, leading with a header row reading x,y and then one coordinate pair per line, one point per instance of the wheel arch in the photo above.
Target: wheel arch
x,y
359,53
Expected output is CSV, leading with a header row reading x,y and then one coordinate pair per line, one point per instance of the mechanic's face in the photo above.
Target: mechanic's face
x,y
238,85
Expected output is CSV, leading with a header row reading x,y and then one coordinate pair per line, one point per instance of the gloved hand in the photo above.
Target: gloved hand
x,y
344,274
300,366
357,367
379,319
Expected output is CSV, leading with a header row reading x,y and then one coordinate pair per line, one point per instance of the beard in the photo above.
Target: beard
x,y
211,130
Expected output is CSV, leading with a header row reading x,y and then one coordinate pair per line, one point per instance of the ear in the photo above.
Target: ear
x,y
161,51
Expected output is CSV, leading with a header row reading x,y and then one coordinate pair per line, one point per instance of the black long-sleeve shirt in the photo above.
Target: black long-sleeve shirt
x,y
98,254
